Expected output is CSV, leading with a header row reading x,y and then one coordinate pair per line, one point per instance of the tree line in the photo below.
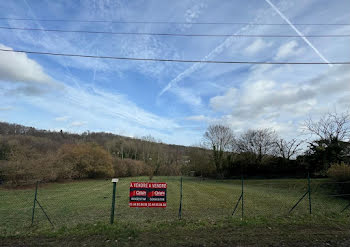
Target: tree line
x,y
28,154
261,152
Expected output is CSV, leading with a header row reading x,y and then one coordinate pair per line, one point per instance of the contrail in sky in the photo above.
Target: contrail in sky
x,y
227,42
298,32
197,66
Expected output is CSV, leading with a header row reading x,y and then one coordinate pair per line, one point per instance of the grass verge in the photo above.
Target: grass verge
x,y
290,231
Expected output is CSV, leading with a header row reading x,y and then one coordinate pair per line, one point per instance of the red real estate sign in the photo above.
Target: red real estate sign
x,y
150,195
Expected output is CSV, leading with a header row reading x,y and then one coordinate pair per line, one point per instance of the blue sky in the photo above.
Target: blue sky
x,y
171,101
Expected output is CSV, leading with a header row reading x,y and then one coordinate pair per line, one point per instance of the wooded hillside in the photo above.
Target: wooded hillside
x,y
28,154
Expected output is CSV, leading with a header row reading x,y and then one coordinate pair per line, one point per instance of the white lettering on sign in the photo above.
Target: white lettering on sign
x,y
140,193
157,199
139,185
138,198
159,193
158,186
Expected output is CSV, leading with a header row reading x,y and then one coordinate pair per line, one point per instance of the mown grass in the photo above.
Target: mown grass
x,y
205,202
301,231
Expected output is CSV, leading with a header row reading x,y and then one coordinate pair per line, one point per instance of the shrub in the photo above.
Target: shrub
x,y
131,168
87,160
169,169
339,172
5,151
71,161
28,171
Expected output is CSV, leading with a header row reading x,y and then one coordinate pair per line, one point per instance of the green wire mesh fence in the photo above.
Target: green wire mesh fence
x,y
67,204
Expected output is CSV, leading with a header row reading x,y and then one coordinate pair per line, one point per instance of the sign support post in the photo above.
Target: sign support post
x,y
114,181
180,207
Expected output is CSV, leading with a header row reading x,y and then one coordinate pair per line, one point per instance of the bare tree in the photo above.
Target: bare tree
x,y
331,126
219,138
148,143
260,142
333,135
288,149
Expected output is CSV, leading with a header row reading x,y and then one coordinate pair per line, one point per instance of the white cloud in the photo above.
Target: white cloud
x,y
267,93
285,18
62,119
224,102
256,46
187,96
288,49
249,96
344,101
95,106
227,49
147,47
228,42
282,105
17,67
335,80
193,13
285,129
198,118
78,123
6,108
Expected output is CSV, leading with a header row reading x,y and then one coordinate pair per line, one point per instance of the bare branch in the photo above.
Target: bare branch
x,y
218,136
331,126
260,142
288,149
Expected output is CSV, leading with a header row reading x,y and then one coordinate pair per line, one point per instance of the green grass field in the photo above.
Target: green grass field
x,y
89,201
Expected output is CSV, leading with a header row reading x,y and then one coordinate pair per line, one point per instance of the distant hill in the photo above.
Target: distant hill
x,y
28,154
135,148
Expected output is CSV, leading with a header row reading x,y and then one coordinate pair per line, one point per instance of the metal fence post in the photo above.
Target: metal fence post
x,y
309,190
114,181
345,208
35,195
180,206
242,197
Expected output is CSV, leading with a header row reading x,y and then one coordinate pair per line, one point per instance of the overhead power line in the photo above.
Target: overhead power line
x,y
174,22
175,34
165,60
